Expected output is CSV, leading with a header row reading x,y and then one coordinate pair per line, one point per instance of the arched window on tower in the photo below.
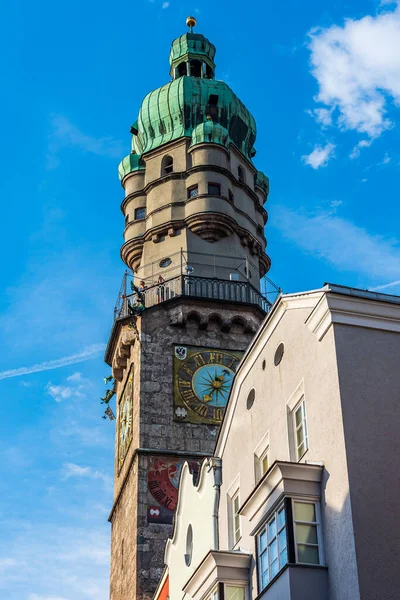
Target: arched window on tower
x,y
209,72
241,176
195,68
167,165
181,69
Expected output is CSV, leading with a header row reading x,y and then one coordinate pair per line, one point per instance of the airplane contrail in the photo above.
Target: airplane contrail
x,y
86,354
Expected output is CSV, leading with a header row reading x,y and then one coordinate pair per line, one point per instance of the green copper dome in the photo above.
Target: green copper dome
x,y
210,132
191,46
130,163
176,109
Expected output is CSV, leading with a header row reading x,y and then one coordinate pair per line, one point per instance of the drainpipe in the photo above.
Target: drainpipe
x,y
216,465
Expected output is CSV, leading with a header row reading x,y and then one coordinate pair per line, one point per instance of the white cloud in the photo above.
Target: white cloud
x,y
65,134
385,160
357,67
323,116
165,4
73,470
342,243
320,156
77,388
355,153
86,354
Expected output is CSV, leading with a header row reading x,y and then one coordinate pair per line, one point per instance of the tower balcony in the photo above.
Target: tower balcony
x,y
137,295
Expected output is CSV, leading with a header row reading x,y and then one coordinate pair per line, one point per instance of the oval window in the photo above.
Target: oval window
x,y
250,399
279,354
165,262
189,546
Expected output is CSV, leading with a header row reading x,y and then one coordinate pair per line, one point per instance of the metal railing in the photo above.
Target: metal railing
x,y
133,300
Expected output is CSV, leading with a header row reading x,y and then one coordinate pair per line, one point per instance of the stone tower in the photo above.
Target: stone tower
x,y
190,302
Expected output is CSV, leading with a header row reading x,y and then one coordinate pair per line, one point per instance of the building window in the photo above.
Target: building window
x,y
214,189
235,519
167,165
193,191
126,219
241,176
306,532
189,546
292,535
230,196
140,213
300,428
272,547
262,464
234,592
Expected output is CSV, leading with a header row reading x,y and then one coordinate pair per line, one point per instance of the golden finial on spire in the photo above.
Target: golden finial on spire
x,y
191,22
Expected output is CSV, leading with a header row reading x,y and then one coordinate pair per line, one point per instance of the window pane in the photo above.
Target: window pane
x,y
281,518
273,551
264,464
214,189
271,529
306,534
308,554
299,415
283,558
300,435
264,562
282,539
234,593
300,451
263,540
274,568
265,579
304,511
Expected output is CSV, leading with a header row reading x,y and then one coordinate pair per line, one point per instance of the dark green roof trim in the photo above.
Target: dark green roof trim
x,y
132,162
210,132
262,181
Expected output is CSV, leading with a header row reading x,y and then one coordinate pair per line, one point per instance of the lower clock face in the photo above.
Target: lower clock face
x,y
125,419
203,380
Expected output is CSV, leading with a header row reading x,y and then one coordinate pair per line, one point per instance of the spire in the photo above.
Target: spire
x,y
191,22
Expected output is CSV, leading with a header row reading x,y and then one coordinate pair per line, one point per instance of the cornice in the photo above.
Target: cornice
x,y
185,174
335,308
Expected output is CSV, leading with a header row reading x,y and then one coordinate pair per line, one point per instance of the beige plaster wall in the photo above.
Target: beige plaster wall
x,y
312,362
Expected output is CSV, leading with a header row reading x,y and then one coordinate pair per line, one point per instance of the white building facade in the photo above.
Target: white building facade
x,y
308,505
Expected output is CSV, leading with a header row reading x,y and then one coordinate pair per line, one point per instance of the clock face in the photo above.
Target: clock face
x,y
125,419
203,380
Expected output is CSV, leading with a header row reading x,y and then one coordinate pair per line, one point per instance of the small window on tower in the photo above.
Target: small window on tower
x,y
167,165
140,213
241,176
230,196
126,219
181,69
193,191
214,189
195,68
209,72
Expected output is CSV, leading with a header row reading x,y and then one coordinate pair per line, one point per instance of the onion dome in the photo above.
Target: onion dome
x,y
210,132
190,53
132,162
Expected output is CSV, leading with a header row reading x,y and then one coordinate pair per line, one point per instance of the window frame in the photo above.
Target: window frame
x,y
235,518
217,187
260,452
288,505
303,423
136,213
273,516
191,189
318,526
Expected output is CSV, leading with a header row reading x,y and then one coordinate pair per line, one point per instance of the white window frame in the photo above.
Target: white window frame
x,y
232,493
236,530
303,423
318,527
261,451
266,551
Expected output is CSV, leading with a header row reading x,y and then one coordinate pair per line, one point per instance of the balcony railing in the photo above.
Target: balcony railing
x,y
140,298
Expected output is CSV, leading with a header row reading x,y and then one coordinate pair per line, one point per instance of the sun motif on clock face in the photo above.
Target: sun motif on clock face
x,y
203,380
125,419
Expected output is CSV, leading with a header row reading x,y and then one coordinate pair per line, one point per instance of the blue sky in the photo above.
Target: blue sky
x,y
323,82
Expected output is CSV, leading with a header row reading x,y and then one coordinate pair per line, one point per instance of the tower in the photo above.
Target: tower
x,y
190,302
